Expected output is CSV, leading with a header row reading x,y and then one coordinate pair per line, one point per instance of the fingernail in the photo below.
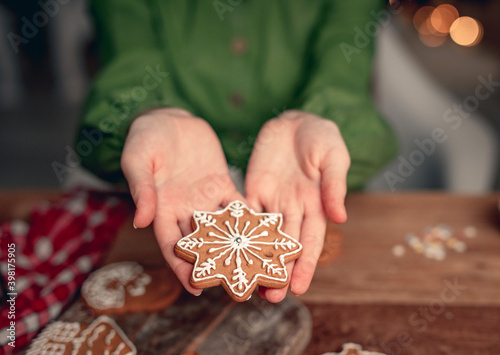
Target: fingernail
x,y
199,294
133,224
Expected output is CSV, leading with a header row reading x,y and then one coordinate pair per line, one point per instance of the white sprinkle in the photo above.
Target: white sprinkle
x,y
398,250
460,247
470,231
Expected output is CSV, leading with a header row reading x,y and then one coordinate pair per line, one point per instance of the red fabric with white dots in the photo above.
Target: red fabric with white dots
x,y
54,253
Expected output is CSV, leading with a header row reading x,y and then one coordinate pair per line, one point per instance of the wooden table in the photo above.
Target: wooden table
x,y
406,305
397,305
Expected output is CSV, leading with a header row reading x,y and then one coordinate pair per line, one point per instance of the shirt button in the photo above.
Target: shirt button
x,y
239,46
237,99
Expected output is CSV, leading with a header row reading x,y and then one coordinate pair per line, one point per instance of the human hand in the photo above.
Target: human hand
x,y
298,167
174,164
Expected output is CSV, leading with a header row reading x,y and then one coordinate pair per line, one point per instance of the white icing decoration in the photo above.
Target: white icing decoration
x,y
53,349
129,278
64,332
139,287
95,334
235,243
57,336
119,349
205,268
110,336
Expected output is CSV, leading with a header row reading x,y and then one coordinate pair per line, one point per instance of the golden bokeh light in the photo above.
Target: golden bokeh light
x,y
442,17
421,20
466,31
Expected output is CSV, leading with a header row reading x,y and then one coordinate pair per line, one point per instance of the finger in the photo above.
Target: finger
x,y
258,190
333,185
312,238
185,216
209,205
167,234
292,220
275,295
233,195
143,190
255,204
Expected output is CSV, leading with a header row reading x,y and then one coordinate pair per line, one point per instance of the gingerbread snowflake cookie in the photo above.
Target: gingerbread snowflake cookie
x,y
238,249
130,287
102,336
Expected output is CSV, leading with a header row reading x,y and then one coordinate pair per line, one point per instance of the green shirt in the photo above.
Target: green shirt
x,y
236,64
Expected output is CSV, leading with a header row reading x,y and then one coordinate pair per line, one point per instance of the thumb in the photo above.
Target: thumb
x,y
143,190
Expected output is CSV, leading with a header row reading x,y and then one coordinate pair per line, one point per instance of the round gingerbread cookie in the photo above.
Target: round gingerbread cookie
x,y
127,287
238,249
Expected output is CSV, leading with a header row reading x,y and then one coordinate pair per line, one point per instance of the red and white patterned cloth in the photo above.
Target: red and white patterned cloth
x,y
54,253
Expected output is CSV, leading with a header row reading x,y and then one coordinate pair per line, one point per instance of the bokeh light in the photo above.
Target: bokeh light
x,y
442,17
466,31
421,20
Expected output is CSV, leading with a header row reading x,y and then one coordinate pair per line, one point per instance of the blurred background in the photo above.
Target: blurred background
x,y
436,81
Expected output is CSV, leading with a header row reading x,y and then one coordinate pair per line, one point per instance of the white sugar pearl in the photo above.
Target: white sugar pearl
x,y
470,232
460,247
398,250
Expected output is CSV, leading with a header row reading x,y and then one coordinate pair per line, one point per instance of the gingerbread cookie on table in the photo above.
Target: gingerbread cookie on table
x,y
102,336
238,249
126,287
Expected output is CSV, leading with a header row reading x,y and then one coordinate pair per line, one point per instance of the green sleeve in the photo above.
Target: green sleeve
x,y
134,78
339,86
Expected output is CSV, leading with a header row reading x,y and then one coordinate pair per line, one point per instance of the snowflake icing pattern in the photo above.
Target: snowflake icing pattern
x,y
234,241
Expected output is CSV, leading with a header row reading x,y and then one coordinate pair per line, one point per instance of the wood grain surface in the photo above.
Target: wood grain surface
x,y
367,272
411,304
365,294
